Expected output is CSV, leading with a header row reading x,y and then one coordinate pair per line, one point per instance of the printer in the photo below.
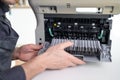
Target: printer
x,y
86,23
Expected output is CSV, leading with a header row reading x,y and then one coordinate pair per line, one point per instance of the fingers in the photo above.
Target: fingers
x,y
74,59
35,53
68,65
65,45
72,65
35,47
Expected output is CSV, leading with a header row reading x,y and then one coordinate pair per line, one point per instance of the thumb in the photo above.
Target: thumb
x,y
36,47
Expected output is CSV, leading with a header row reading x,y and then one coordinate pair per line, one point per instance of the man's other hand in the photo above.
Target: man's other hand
x,y
26,52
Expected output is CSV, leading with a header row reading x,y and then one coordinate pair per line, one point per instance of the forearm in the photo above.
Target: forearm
x,y
34,67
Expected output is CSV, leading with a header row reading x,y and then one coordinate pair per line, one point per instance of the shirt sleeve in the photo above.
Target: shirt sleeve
x,y
16,73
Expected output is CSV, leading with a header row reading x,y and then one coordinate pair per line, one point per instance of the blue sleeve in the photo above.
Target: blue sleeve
x,y
16,73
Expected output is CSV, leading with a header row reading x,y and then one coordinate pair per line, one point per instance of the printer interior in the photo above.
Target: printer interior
x,y
58,21
89,33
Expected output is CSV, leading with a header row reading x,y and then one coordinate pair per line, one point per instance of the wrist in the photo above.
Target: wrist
x,y
44,60
35,65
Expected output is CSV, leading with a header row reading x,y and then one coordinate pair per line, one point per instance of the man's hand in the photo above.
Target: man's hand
x,y
56,58
26,52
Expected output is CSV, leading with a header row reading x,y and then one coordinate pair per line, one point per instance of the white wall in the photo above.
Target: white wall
x,y
24,22
115,32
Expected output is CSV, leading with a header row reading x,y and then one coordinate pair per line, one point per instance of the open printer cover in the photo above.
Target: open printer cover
x,y
86,23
